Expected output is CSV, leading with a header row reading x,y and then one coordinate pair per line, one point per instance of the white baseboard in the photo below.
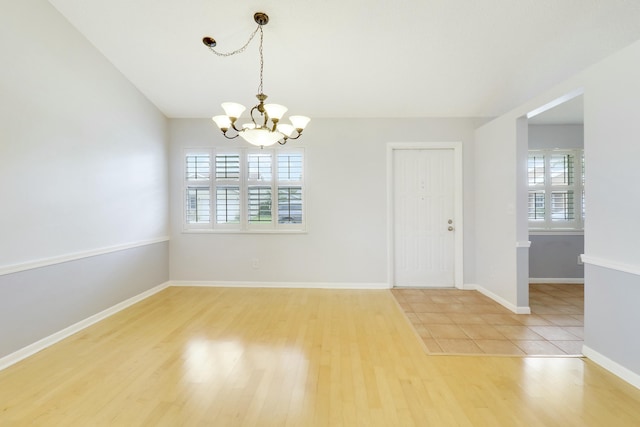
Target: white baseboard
x,y
40,345
557,281
300,285
611,366
498,299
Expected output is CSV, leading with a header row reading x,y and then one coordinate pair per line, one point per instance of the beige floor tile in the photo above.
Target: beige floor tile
x,y
553,333
520,332
464,346
447,331
466,319
441,299
538,348
454,308
436,318
499,347
422,330
569,347
487,332
432,345
561,319
467,322
577,301
486,308
415,298
501,319
475,299
569,309
578,331
413,317
419,307
405,306
542,309
533,319
428,307
543,299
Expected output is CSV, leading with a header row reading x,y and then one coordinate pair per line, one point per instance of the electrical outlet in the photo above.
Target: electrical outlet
x,y
255,263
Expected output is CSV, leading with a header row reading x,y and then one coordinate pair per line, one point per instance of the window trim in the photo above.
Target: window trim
x,y
244,226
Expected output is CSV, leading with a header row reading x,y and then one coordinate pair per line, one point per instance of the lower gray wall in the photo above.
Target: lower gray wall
x,y
39,302
556,256
611,315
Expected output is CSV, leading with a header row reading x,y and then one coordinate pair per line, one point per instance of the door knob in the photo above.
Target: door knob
x,y
450,228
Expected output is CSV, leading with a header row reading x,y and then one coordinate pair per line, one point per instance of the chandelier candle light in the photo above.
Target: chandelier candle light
x,y
265,128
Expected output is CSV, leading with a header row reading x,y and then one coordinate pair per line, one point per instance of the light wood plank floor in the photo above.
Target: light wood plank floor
x,y
285,357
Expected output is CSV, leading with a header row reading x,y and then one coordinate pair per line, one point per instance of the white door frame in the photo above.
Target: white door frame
x,y
458,200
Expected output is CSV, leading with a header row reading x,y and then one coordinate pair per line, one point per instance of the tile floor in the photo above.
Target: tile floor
x,y
452,321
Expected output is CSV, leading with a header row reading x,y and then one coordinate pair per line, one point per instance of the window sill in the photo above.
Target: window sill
x,y
256,231
556,232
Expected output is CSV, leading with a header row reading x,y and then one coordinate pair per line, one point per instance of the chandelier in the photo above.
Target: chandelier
x,y
265,128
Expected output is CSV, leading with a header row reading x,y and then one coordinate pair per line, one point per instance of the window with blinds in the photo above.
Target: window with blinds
x,y
198,205
290,188
197,167
227,183
244,190
197,190
554,189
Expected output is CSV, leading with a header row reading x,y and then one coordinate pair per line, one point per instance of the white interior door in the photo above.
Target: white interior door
x,y
423,216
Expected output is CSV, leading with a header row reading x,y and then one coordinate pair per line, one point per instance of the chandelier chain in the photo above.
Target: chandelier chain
x,y
261,59
240,50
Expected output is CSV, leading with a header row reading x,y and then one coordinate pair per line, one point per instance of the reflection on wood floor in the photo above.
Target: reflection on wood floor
x,y
293,357
452,321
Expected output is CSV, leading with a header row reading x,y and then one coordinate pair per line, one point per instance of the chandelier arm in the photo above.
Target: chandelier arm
x,y
230,137
295,137
235,52
262,113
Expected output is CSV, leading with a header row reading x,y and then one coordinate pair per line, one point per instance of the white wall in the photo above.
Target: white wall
x,y
83,179
495,220
83,161
556,136
611,129
346,206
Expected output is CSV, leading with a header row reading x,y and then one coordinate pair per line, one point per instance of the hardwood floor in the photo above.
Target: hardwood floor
x,y
293,357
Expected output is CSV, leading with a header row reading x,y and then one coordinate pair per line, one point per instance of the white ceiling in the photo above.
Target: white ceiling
x,y
355,58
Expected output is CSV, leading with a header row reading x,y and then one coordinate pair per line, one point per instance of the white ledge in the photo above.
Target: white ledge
x,y
612,265
44,262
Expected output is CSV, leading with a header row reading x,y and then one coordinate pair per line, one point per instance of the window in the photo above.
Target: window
x,y
244,190
556,189
197,191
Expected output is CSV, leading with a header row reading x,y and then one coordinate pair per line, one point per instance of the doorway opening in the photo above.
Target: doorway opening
x,y
554,184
